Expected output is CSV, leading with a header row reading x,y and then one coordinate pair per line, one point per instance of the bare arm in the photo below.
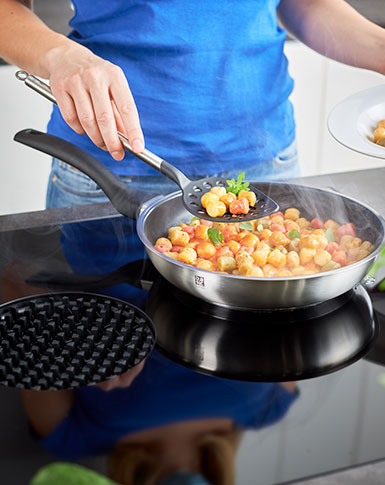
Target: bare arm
x,y
24,39
334,29
93,94
47,409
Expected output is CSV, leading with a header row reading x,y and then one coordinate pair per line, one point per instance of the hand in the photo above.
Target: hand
x,y
94,97
124,380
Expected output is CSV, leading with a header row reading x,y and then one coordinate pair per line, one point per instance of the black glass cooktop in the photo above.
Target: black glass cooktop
x,y
332,350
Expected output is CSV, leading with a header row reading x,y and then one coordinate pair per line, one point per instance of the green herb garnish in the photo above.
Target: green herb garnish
x,y
195,218
260,227
215,236
294,234
329,234
235,186
246,225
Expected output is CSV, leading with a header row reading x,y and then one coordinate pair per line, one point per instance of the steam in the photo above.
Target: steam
x,y
327,202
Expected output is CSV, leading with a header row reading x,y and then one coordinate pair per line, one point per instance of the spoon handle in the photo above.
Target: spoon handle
x,y
156,162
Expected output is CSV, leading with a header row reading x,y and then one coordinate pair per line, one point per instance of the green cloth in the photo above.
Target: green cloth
x,y
68,474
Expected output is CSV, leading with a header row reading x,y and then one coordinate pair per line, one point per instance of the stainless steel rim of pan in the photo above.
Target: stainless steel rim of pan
x,y
266,293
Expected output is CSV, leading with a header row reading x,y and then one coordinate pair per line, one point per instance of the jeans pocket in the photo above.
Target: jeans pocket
x,y
68,186
76,182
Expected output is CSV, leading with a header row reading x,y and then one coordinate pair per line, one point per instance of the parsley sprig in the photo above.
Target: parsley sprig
x,y
215,236
293,234
235,186
248,226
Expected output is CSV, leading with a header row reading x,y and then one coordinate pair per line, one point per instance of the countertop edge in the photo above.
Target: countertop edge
x,y
359,184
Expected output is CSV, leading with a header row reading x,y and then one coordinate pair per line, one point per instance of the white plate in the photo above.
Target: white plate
x,y
353,120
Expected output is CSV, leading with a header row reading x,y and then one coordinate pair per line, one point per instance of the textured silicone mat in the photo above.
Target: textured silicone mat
x,y
66,340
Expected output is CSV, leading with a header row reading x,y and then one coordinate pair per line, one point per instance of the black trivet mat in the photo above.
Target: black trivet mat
x,y
67,340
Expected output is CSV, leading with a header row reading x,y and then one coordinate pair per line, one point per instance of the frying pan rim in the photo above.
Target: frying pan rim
x,y
154,203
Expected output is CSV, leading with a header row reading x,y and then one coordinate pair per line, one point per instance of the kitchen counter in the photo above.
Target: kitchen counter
x,y
336,424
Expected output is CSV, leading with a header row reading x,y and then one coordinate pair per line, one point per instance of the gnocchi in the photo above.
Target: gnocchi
x,y
282,245
235,199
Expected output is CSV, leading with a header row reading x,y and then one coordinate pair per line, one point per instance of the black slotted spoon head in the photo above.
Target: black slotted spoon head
x,y
192,191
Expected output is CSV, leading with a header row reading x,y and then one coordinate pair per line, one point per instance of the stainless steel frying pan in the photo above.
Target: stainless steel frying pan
x,y
154,220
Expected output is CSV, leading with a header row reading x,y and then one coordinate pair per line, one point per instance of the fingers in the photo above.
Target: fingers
x,y
97,118
68,110
125,105
78,111
86,115
97,102
118,118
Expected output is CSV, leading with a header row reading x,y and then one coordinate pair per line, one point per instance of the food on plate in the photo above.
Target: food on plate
x,y
281,245
379,133
236,198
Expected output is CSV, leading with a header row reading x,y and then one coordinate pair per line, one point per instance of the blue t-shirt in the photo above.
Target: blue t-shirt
x,y
209,78
163,393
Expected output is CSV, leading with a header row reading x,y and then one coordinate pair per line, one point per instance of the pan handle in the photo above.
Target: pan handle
x,y
126,201
139,274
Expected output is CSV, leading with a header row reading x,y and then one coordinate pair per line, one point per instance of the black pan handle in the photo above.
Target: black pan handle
x,y
139,274
126,201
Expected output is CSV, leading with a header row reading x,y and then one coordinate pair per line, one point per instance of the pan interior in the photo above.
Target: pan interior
x,y
312,202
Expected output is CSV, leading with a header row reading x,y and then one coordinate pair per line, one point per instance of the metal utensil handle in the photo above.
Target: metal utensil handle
x,y
146,156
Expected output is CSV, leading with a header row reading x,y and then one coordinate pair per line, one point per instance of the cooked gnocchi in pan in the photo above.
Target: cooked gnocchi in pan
x,y
281,245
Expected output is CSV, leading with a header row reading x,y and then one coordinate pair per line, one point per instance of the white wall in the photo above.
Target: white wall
x,y
319,85
23,171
